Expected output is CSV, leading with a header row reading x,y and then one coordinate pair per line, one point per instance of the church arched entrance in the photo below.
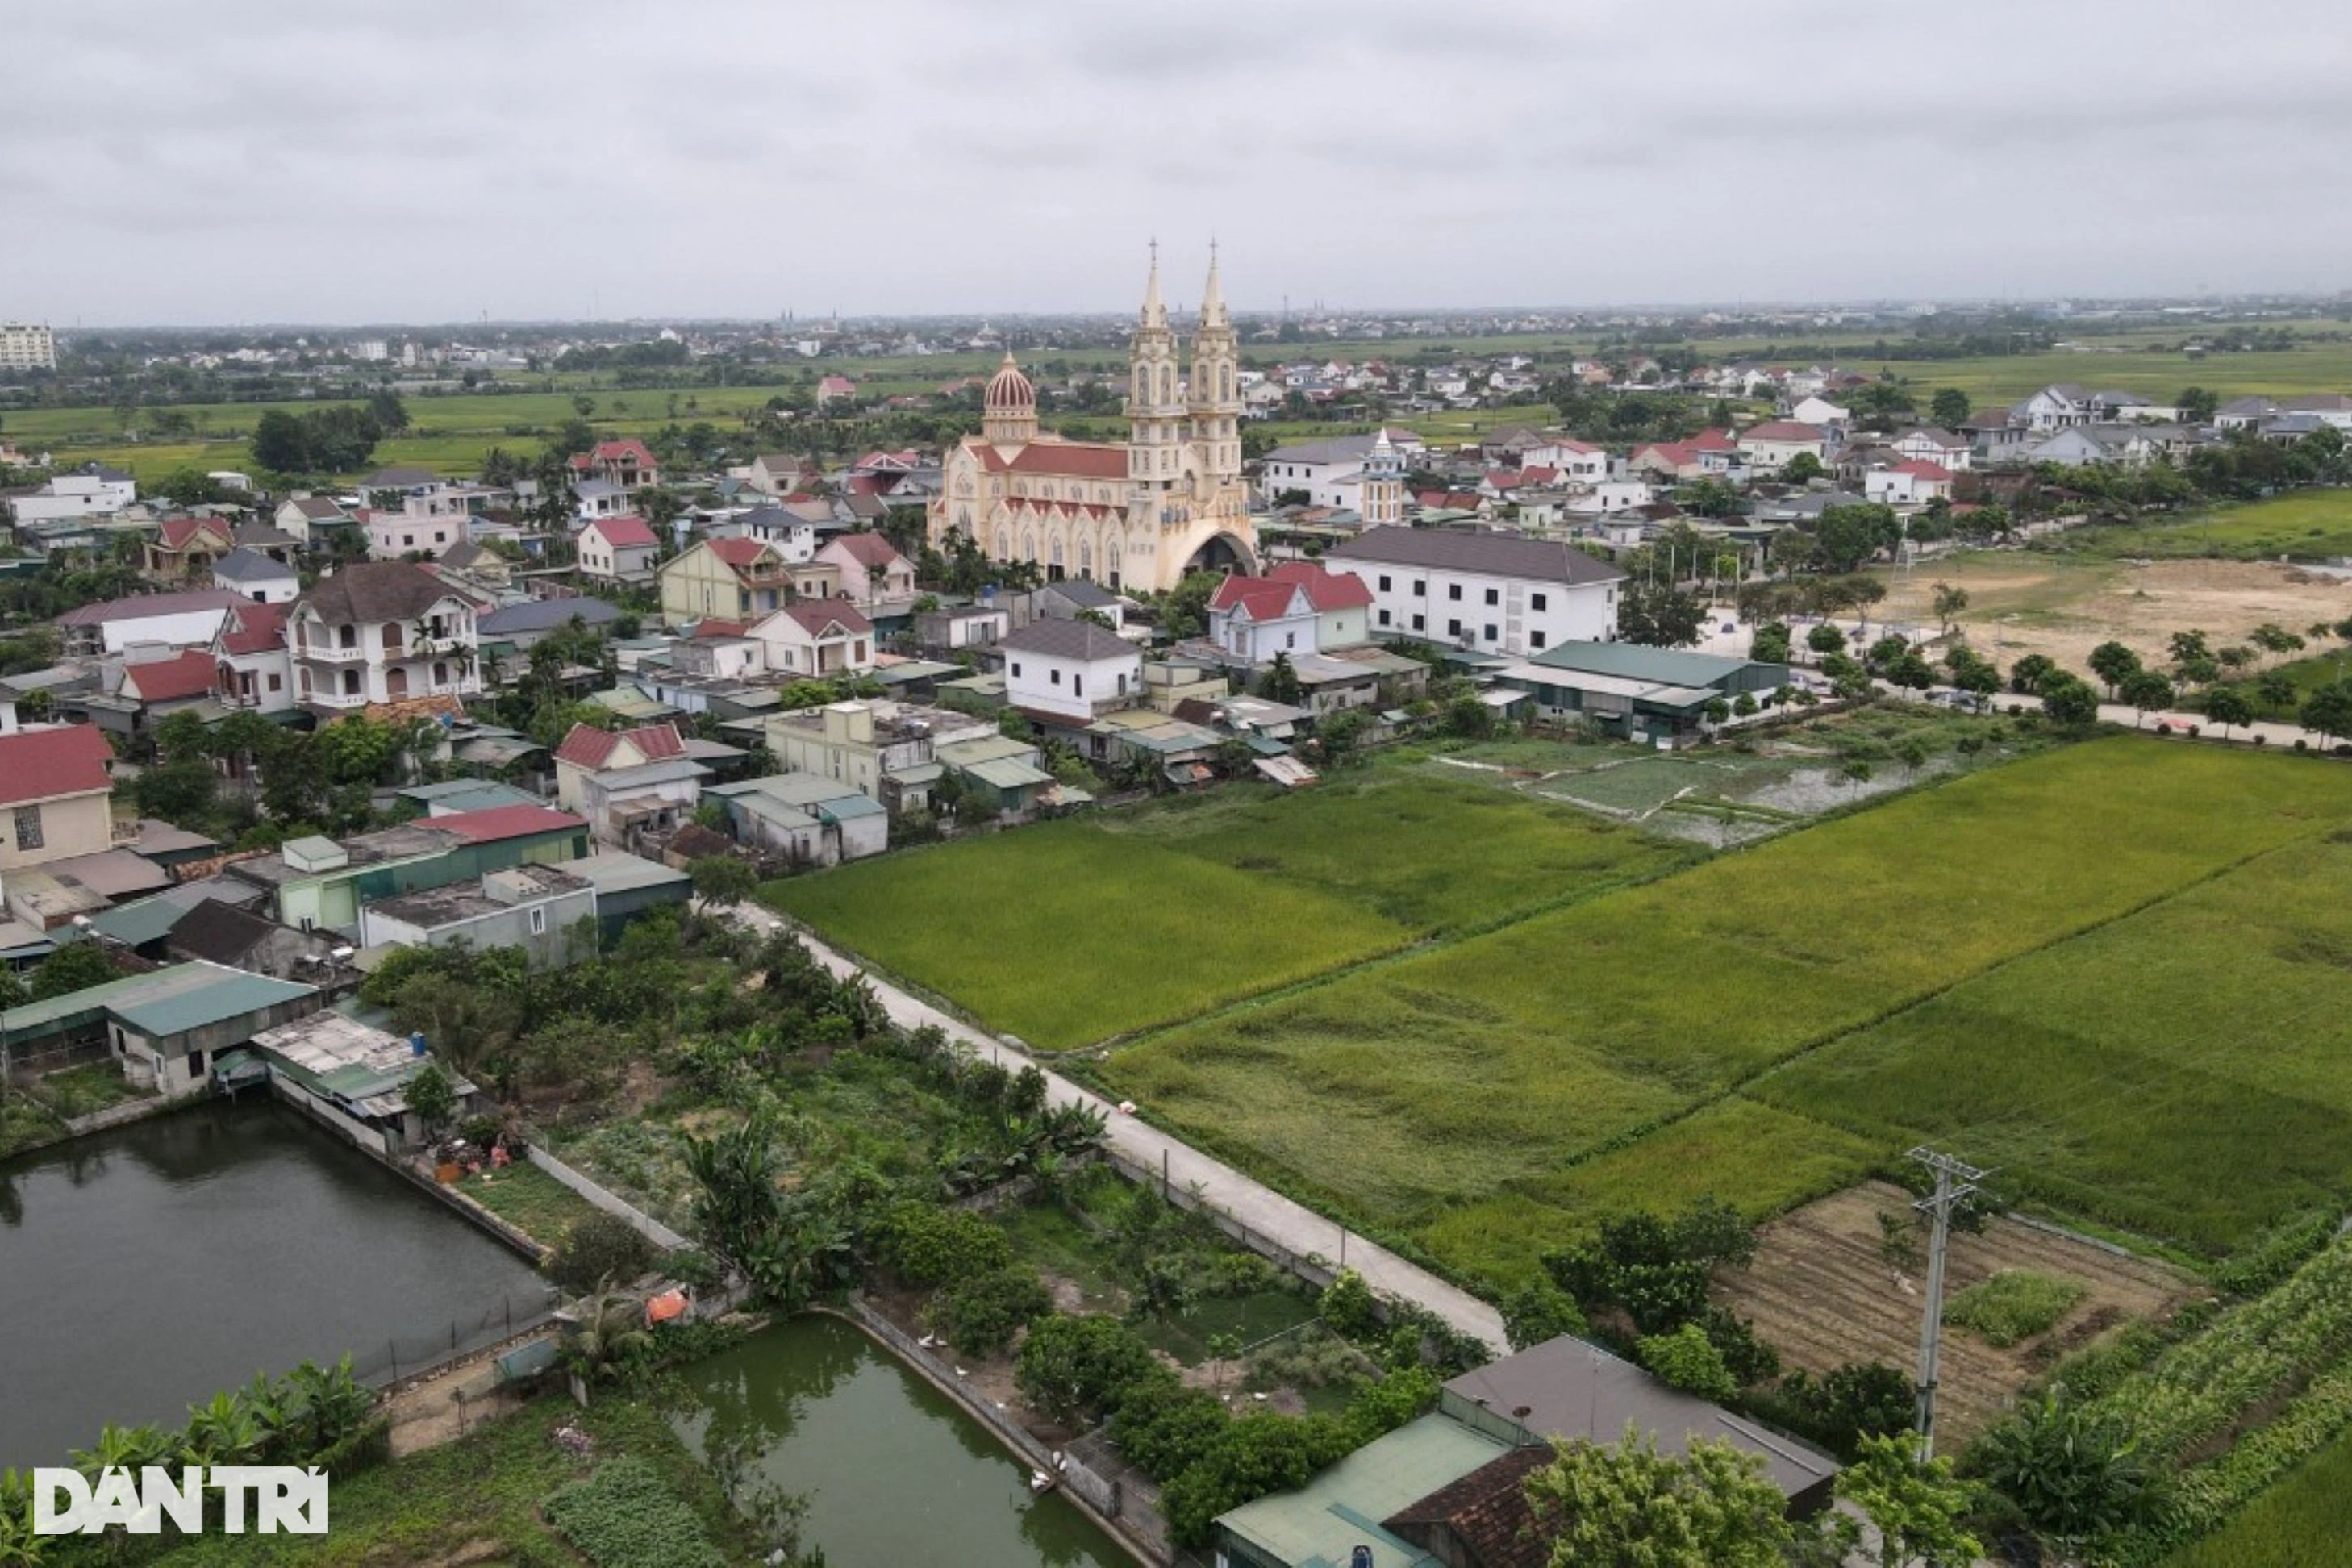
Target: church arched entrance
x,y
1221,553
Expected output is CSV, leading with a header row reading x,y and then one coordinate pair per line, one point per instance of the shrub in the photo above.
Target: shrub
x,y
1348,1307
1840,1407
1540,1310
2015,1304
1383,1407
2275,1254
1656,1269
1747,1358
925,1244
1169,1430
1071,1367
1253,1455
625,1515
1686,1359
980,1313
599,1248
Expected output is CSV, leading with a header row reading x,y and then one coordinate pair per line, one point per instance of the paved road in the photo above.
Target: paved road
x,y
1254,1205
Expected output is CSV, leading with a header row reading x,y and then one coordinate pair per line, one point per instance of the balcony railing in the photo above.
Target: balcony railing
x,y
355,654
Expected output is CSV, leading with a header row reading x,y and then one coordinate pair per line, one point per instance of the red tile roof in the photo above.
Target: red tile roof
x,y
870,549
611,451
190,674
1713,441
178,532
618,531
1783,430
1326,590
1920,469
40,764
253,628
815,614
712,627
504,822
740,554
590,748
1256,597
1073,459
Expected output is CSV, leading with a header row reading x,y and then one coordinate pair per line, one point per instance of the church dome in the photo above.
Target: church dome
x,y
1009,390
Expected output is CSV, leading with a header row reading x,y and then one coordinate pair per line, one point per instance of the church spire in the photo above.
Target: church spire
x,y
1155,312
1212,297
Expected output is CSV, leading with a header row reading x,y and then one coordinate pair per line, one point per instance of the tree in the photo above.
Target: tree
x,y
1949,602
2145,690
1801,469
1184,612
1280,682
2198,404
1658,614
1825,638
2114,664
1624,1506
1686,1359
76,966
1074,1367
2276,689
1850,535
2029,674
433,1096
2228,706
723,882
2070,703
1770,643
2327,710
1917,1508
1539,1310
279,443
2189,647
599,1249
1950,407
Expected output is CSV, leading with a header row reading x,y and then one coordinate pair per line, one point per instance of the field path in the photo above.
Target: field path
x,y
1254,1205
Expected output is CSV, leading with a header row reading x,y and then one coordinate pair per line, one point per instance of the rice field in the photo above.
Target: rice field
x,y
2300,1522
1487,1096
2305,524
1074,932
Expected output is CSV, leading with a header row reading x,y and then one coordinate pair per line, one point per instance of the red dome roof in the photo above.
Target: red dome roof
x,y
1009,390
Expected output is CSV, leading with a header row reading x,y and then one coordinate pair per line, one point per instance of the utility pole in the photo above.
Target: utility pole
x,y
1954,1181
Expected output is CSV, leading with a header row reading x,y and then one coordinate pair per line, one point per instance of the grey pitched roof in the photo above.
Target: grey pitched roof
x,y
1339,450
1068,639
261,536
544,614
400,478
1492,554
318,509
243,565
1085,595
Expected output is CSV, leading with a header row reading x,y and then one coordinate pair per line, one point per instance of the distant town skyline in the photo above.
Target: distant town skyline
x,y
248,163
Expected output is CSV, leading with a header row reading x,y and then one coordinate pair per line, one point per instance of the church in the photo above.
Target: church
x,y
1134,515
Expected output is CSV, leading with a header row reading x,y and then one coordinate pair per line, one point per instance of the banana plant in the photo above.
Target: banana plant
x,y
123,1447
19,1547
220,1431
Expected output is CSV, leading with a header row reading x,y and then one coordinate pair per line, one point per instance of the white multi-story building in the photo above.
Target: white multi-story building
x,y
383,631
1070,669
1496,593
23,346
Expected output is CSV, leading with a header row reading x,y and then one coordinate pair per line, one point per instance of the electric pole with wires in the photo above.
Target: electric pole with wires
x,y
1954,1183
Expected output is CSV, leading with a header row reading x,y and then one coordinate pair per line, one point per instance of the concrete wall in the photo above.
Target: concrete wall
x,y
78,824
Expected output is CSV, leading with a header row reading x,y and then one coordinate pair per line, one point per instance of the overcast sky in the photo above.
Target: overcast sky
x,y
430,160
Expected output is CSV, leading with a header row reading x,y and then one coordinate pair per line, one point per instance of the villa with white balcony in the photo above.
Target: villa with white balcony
x,y
382,632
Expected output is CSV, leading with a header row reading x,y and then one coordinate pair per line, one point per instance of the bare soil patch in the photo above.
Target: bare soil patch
x,y
1822,1294
2022,604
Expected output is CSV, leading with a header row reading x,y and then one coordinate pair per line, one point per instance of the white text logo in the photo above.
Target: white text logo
x,y
275,1497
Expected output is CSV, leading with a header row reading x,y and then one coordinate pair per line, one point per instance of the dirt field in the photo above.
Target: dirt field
x,y
1821,1295
2021,602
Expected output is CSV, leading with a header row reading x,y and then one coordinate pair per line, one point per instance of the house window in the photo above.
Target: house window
x,y
1493,597
1420,587
29,827
1454,592
1384,585
538,922
1454,628
1290,639
351,683
1055,677
440,674
347,637
1384,617
1534,640
1016,669
1536,601
1416,623
1490,634
1077,685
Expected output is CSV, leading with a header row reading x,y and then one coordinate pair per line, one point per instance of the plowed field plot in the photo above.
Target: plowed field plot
x,y
1822,1294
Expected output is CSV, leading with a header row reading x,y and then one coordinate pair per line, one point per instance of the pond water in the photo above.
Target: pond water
x,y
149,1267
895,1471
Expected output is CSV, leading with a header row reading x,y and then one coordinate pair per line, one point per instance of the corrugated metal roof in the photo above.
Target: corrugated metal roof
x,y
210,996
1340,1509
1008,773
1658,665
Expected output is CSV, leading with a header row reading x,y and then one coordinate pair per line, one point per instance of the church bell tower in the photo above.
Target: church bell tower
x,y
1155,394
1215,403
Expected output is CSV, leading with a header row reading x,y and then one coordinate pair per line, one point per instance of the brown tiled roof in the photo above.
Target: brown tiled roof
x,y
1495,554
1486,1510
378,591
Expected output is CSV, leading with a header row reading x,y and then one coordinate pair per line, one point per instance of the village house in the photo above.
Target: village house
x,y
54,796
628,464
252,668
874,576
1930,445
160,687
819,638
809,819
1819,410
184,548
779,474
1995,438
317,884
253,575
1910,483
2060,407
1328,473
1341,601
218,932
1252,619
956,626
885,750
1495,592
733,579
619,550
547,911
1775,443
187,618
382,631
311,522
1070,669
92,491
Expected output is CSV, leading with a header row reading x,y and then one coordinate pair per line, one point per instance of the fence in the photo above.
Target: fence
x,y
409,1356
645,1225
1312,1267
1099,1473
1125,1500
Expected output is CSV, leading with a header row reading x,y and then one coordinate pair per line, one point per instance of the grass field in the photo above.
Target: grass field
x,y
1073,931
2180,1072
1452,1093
2307,524
2304,1522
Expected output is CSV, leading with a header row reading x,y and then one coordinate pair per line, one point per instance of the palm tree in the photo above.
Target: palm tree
x,y
612,1329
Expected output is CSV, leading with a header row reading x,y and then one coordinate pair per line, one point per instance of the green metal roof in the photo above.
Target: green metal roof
x,y
1008,773
1320,1523
213,996
1665,665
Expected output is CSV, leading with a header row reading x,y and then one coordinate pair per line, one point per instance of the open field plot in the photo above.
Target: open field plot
x,y
2186,1072
2001,379
2300,1522
2063,605
1444,1093
1073,931
1823,1294
2307,524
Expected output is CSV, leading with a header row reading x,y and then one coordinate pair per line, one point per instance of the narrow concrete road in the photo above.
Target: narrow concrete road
x,y
1254,1205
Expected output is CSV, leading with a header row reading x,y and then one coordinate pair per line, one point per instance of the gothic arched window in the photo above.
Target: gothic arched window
x,y
1224,383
